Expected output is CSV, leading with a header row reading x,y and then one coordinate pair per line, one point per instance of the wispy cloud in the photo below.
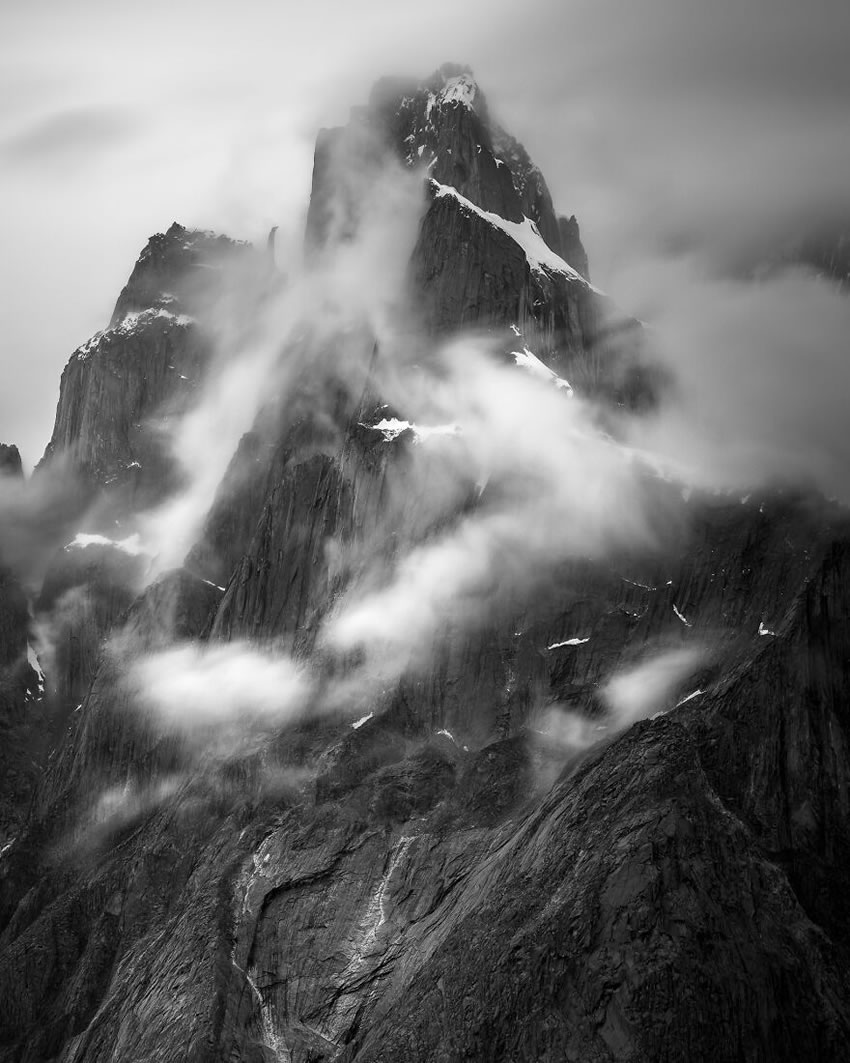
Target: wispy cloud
x,y
761,374
220,690
633,693
69,137
556,488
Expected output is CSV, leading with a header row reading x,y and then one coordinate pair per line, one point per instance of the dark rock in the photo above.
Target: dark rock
x,y
572,248
23,716
178,271
10,461
121,391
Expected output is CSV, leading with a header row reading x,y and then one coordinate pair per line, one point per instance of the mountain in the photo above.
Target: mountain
x,y
471,854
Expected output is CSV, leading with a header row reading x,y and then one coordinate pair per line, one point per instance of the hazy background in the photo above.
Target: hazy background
x,y
675,130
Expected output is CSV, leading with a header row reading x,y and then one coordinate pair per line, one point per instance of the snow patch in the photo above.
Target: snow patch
x,y
461,89
134,318
684,619
362,720
391,428
131,322
448,734
568,642
764,629
636,583
689,697
532,363
540,256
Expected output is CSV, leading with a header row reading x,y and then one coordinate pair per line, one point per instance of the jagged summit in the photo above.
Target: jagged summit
x,y
443,126
165,274
451,83
10,460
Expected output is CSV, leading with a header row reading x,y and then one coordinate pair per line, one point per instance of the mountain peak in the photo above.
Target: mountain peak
x,y
162,278
10,461
454,83
442,125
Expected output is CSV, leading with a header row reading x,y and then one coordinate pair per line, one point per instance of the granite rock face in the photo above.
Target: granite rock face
x,y
451,875
123,389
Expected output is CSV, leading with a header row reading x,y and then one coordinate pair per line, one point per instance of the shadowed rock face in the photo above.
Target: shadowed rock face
x,y
123,389
22,717
23,721
447,878
571,246
10,461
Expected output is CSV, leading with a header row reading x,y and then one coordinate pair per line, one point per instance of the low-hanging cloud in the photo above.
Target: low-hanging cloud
x,y
313,327
761,377
37,516
195,688
633,693
639,691
556,488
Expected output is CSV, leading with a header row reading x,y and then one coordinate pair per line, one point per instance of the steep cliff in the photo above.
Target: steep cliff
x,y
485,864
24,735
122,388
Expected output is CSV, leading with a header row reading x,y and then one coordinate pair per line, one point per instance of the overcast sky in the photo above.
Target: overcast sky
x,y
670,127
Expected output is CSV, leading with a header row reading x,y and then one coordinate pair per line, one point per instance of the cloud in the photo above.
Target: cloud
x,y
197,689
36,517
56,628
556,488
69,138
630,695
647,688
761,373
721,129
296,337
118,806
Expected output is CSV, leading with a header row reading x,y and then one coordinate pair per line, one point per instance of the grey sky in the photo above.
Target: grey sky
x,y
665,125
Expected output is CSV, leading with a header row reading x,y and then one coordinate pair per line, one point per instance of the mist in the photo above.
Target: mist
x,y
760,372
633,693
312,324
548,486
38,516
643,689
219,689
